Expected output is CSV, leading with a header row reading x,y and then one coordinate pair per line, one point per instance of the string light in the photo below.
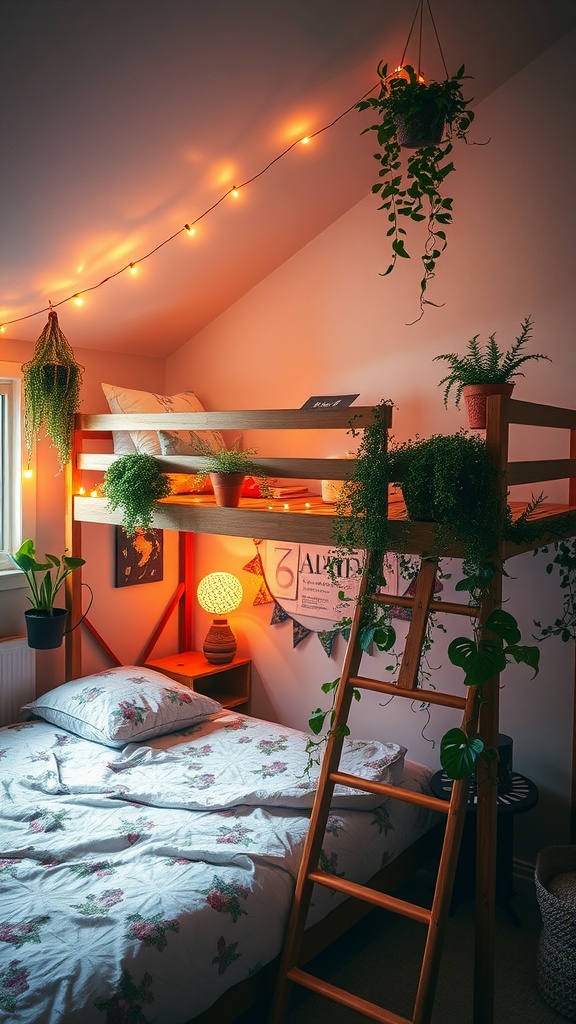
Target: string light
x,y
78,300
27,474
190,227
2,328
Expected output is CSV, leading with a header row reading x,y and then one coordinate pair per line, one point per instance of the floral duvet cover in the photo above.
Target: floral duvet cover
x,y
136,885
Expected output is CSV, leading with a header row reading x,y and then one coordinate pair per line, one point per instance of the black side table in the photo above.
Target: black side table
x,y
521,795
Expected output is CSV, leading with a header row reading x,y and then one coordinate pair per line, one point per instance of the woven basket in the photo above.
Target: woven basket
x,y
556,964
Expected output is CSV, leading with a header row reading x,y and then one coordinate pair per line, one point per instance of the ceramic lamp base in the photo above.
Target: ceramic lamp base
x,y
220,643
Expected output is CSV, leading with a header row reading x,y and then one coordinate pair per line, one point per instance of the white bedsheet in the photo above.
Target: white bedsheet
x,y
138,884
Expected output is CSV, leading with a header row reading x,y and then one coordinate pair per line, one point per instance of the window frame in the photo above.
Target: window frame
x,y
17,493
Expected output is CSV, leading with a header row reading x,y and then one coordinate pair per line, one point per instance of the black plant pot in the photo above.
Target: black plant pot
x,y
45,632
423,128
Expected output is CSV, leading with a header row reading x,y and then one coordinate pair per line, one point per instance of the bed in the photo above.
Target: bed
x,y
311,520
150,843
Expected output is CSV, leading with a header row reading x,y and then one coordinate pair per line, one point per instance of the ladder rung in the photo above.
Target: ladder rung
x,y
379,899
338,995
409,796
447,700
450,607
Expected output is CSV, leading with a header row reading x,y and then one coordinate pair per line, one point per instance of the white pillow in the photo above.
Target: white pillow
x,y
126,400
127,704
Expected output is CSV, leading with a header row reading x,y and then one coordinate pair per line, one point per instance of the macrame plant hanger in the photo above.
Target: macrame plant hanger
x,y
419,14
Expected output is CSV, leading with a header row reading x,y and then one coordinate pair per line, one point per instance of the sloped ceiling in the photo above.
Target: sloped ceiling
x,y
122,120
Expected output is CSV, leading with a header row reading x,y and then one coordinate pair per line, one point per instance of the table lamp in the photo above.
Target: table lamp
x,y
219,593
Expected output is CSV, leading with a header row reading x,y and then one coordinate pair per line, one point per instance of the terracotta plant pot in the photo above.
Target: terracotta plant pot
x,y
45,632
475,396
227,488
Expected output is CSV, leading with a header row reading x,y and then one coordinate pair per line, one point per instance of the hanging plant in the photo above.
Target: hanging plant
x,y
51,381
134,483
424,117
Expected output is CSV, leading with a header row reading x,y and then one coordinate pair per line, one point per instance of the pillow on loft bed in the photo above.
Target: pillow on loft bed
x,y
127,704
126,400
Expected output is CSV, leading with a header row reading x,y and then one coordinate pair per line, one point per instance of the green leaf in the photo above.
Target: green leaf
x,y
504,625
480,661
398,248
316,721
525,656
458,753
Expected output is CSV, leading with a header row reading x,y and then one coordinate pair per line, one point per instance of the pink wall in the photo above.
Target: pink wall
x,y
327,323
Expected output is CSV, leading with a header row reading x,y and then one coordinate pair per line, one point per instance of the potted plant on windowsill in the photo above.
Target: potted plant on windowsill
x,y
227,469
44,622
485,370
425,117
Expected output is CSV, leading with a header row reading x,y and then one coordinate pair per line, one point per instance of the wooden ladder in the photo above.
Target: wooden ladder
x,y
455,809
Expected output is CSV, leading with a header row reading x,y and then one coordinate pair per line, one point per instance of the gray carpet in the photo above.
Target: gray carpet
x,y
380,957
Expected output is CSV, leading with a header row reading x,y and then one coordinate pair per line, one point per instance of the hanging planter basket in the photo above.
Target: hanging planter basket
x,y
421,129
52,381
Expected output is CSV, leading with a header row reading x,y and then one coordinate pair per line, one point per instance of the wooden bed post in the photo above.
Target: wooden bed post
x,y
186,576
73,544
497,422
572,501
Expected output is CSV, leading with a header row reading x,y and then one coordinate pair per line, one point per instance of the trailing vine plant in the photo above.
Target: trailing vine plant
x,y
564,562
51,382
415,193
134,483
456,477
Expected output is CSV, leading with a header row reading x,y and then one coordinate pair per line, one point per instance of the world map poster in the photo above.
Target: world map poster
x,y
139,558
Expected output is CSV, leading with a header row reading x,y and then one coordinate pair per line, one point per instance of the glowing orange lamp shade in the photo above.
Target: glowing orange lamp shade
x,y
219,593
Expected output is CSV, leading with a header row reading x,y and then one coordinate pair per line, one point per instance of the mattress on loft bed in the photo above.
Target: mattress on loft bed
x,y
139,883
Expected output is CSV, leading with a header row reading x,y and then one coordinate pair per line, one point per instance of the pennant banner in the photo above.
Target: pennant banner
x,y
299,633
278,615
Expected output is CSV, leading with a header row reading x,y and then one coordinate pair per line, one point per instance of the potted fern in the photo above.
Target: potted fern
x,y
45,623
134,483
485,370
424,117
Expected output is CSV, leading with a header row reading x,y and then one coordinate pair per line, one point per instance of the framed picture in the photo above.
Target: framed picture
x,y
139,558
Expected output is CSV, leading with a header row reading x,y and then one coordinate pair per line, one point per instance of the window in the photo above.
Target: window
x,y
16,509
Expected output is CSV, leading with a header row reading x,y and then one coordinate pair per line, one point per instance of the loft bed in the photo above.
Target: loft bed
x,y
309,519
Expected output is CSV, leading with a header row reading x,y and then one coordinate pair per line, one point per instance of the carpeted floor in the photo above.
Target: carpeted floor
x,y
379,960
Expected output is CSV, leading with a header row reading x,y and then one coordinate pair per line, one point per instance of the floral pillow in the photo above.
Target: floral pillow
x,y
122,705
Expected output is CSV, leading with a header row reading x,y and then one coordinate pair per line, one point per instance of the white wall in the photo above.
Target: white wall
x,y
327,323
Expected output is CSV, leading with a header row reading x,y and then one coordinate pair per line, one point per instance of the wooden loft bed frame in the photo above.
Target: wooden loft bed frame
x,y
311,520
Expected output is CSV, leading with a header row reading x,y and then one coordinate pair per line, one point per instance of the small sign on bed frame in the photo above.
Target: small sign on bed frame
x,y
139,558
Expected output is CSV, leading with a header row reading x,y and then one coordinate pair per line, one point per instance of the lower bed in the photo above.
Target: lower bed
x,y
139,884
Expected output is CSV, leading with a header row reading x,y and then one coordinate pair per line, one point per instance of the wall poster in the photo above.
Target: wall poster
x,y
298,578
139,558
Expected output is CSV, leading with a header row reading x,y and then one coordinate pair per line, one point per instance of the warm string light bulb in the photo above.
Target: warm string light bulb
x,y
133,268
28,474
189,229
305,140
235,192
78,300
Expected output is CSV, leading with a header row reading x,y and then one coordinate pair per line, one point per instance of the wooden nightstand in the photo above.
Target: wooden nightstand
x,y
228,684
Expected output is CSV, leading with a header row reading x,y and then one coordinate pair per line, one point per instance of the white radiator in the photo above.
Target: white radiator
x,y
17,677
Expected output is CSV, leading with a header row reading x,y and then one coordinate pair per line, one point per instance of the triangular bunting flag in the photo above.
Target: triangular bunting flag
x,y
254,566
346,633
327,638
299,633
278,615
263,596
